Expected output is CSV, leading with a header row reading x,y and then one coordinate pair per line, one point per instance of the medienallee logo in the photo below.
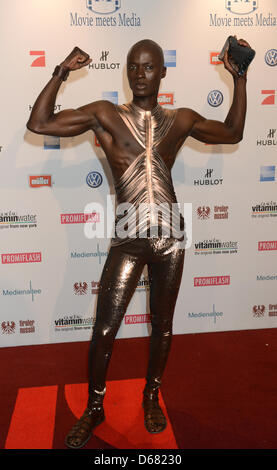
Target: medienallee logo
x,y
245,13
103,13
29,291
214,314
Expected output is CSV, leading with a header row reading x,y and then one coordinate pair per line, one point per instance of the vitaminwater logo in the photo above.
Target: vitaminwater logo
x,y
214,247
265,209
13,220
104,13
73,322
244,13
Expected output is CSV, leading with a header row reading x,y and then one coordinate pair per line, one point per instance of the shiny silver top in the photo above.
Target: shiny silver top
x,y
147,183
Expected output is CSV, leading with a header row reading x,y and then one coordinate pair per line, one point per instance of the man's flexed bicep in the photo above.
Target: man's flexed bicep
x,y
213,132
69,122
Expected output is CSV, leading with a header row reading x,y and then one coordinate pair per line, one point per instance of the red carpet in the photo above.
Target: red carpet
x,y
218,392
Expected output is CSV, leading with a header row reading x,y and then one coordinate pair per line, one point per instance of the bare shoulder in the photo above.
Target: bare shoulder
x,y
187,114
100,106
186,118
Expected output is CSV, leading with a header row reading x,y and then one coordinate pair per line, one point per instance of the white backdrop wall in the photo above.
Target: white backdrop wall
x,y
49,268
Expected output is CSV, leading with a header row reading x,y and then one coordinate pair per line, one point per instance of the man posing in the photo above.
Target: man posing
x,y
141,140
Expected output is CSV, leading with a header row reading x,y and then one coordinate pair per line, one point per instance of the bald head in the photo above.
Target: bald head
x,y
149,45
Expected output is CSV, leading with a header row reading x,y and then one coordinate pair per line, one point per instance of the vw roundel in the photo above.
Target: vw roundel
x,y
215,98
271,57
94,179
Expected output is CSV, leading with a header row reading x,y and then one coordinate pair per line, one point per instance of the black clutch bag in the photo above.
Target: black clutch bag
x,y
240,56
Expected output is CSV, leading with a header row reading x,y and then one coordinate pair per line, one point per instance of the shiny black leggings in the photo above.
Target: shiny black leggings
x,y
121,273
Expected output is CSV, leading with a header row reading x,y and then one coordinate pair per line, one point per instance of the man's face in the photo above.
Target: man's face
x,y
144,71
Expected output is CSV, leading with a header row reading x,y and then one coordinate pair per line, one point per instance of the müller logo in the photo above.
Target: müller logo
x,y
211,281
40,180
165,98
11,258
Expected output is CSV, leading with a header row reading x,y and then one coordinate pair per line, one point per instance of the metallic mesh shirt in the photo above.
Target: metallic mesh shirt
x,y
146,200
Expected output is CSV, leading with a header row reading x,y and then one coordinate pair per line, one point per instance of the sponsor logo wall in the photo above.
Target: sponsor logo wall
x,y
50,268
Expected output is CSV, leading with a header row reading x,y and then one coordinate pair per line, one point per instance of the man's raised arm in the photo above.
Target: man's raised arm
x,y
231,130
66,123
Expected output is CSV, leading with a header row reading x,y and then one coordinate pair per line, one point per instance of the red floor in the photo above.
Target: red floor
x,y
218,392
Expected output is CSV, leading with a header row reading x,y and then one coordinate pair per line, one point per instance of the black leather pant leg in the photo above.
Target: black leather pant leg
x,y
165,274
118,282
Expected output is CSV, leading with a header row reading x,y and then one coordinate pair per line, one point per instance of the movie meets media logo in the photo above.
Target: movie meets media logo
x,y
104,13
245,13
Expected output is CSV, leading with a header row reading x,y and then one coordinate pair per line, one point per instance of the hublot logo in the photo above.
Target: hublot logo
x,y
269,140
103,63
208,180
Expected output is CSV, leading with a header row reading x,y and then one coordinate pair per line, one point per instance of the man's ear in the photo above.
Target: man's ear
x,y
163,72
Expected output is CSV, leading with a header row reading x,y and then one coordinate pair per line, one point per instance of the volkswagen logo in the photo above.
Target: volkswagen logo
x,y
94,179
271,57
215,98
